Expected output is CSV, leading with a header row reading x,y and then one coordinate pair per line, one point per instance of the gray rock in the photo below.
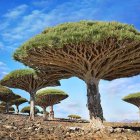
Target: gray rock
x,y
129,130
8,126
30,129
119,130
108,129
73,129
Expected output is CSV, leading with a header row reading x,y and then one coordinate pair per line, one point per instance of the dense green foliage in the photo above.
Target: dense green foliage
x,y
18,73
4,103
19,101
48,97
133,99
50,92
74,116
5,90
27,110
132,96
7,95
3,108
78,32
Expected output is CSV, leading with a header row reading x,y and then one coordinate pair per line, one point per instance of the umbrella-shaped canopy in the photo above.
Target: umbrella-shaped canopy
x,y
133,99
6,94
19,101
26,109
49,97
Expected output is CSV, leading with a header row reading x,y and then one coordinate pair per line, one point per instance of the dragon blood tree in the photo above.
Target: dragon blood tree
x,y
26,79
6,95
3,109
72,116
49,97
18,102
89,50
133,99
26,109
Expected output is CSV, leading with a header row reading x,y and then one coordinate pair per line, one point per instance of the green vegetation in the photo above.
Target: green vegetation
x,y
49,97
133,99
18,73
30,81
77,32
72,116
3,108
7,96
89,50
18,102
4,90
27,110
51,92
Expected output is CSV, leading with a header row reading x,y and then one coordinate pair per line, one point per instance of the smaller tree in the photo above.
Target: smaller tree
x,y
75,117
49,97
3,109
27,110
133,99
30,81
7,96
18,102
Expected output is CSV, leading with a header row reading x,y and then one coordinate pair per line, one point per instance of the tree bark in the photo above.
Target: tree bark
x,y
17,109
7,107
139,113
94,102
51,113
32,106
45,115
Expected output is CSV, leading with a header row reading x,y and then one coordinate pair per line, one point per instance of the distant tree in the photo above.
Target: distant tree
x,y
28,80
133,99
89,50
27,110
76,117
18,102
49,97
7,96
3,108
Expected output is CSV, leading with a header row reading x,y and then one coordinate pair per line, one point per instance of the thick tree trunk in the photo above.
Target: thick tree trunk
x,y
17,109
51,113
139,113
45,115
32,106
7,107
94,103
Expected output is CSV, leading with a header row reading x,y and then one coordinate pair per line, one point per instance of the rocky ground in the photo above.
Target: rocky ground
x,y
18,127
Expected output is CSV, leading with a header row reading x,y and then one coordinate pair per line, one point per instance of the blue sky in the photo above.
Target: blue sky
x,y
20,20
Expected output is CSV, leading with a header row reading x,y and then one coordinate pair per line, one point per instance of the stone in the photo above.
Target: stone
x,y
8,126
31,129
73,129
108,130
119,130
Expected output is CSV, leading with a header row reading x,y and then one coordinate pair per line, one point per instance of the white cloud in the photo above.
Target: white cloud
x,y
1,45
71,107
36,20
121,87
3,69
16,12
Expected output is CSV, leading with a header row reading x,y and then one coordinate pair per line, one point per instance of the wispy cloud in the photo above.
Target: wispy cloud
x,y
33,22
16,12
1,45
71,107
121,87
3,69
